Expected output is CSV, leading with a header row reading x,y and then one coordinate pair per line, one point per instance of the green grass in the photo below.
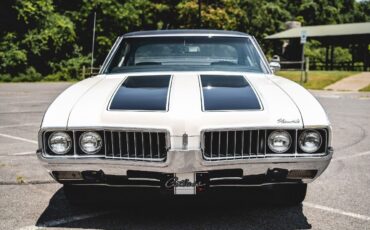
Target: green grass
x,y
366,89
317,79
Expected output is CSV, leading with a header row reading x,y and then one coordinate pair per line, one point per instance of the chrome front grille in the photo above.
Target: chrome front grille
x,y
136,145
236,144
246,144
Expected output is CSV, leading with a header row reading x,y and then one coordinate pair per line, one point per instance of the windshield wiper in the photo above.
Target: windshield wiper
x,y
149,63
223,63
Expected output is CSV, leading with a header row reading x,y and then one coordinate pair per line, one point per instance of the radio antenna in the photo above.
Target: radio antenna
x,y
93,46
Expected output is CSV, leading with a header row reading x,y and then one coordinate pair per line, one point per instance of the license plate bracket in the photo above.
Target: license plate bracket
x,y
185,184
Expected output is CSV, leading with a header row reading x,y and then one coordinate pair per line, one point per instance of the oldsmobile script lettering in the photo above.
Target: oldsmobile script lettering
x,y
175,182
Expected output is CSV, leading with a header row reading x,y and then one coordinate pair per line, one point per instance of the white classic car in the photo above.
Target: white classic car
x,y
187,112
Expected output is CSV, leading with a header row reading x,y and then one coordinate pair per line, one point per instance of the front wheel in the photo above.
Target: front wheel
x,y
288,194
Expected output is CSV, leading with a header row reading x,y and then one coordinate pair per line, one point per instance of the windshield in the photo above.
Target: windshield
x,y
186,54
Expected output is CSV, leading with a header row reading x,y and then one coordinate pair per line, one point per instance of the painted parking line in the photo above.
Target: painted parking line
x,y
18,138
31,153
14,112
19,125
351,156
19,154
328,96
32,182
22,153
22,101
337,211
66,220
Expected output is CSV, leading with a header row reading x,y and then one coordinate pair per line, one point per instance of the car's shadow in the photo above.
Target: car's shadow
x,y
120,209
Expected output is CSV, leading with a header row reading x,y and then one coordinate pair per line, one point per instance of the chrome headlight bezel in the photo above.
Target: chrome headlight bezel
x,y
284,133
95,135
305,133
62,135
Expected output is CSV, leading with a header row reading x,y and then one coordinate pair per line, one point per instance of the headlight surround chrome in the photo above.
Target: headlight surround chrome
x,y
279,141
60,143
310,141
90,142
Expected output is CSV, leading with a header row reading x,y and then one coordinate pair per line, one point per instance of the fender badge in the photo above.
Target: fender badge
x,y
283,121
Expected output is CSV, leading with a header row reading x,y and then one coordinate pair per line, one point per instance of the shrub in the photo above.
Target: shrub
x,y
5,78
69,69
59,76
30,75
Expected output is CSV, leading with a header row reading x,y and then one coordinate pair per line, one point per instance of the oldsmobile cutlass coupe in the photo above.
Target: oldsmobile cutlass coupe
x,y
187,112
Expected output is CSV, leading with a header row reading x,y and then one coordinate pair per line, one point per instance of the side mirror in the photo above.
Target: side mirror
x,y
275,58
275,66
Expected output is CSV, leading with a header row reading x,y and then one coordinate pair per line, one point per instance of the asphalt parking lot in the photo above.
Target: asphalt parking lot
x,y
29,199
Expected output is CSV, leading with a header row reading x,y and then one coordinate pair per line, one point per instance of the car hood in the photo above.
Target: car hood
x,y
185,111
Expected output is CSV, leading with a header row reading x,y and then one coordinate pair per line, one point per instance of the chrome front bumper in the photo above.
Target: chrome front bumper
x,y
189,162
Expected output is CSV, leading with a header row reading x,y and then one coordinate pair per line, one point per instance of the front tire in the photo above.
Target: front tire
x,y
288,194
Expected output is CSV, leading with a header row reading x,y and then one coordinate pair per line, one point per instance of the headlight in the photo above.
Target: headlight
x,y
279,141
60,143
90,142
310,141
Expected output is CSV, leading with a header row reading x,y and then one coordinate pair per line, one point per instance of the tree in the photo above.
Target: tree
x,y
53,37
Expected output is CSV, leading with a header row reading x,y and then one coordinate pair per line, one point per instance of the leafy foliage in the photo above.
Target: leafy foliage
x,y
52,38
316,52
11,55
70,68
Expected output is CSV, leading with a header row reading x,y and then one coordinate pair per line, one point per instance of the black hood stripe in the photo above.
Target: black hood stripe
x,y
142,93
228,93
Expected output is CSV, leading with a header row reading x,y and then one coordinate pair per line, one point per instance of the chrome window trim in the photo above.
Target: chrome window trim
x,y
188,35
112,51
261,54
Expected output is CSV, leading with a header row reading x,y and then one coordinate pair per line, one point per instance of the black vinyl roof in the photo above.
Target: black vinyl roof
x,y
184,32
